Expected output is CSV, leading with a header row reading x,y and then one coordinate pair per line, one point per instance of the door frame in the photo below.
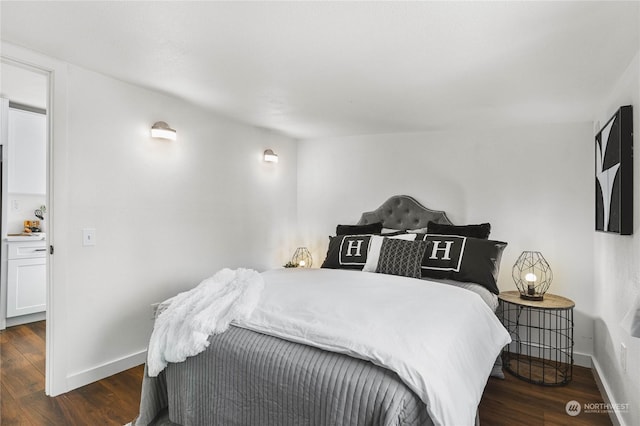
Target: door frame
x,y
56,328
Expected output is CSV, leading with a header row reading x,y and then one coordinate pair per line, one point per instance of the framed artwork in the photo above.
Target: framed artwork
x,y
614,174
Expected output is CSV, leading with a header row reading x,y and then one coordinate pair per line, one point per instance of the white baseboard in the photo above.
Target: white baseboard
x,y
100,372
582,360
605,391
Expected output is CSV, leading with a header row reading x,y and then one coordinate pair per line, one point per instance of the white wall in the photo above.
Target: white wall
x,y
533,184
167,214
617,269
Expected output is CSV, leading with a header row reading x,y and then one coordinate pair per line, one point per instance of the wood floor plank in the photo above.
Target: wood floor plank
x,y
40,328
127,385
38,361
23,381
26,340
11,410
39,409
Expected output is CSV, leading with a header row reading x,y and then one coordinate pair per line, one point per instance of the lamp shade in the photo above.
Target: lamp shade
x,y
270,156
161,130
302,258
532,275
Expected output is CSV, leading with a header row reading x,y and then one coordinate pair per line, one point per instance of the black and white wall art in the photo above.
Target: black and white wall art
x,y
614,174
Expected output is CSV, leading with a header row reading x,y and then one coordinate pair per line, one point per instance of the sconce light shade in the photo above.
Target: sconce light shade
x,y
532,275
302,258
161,130
270,156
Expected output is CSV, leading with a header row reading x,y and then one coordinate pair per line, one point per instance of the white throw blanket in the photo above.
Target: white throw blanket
x,y
185,321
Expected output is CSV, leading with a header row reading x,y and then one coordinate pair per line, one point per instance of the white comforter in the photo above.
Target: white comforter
x,y
442,341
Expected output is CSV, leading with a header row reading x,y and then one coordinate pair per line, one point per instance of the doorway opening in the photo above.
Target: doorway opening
x,y
25,129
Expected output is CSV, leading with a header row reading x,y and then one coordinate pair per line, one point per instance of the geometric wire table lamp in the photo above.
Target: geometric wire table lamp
x,y
302,258
532,275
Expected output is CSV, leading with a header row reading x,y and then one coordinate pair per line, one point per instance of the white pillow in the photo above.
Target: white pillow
x,y
389,230
374,250
417,231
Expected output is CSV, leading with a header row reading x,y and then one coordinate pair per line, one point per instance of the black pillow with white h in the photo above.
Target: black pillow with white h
x,y
462,258
347,252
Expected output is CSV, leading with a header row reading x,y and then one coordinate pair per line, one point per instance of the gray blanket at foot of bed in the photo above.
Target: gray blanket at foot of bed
x,y
247,378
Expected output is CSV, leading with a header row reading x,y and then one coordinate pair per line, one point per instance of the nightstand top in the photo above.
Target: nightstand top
x,y
550,301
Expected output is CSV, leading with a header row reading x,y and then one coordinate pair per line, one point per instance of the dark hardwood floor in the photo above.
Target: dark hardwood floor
x,y
112,401
115,400
513,401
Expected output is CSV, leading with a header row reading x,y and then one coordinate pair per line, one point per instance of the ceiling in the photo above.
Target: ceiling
x,y
321,69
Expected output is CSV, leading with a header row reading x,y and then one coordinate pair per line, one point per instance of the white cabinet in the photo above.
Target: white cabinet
x,y
27,152
26,278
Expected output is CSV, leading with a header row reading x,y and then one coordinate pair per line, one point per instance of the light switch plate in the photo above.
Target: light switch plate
x,y
88,237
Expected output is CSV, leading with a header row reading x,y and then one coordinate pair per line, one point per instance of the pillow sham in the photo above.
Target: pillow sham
x,y
374,250
371,228
461,258
481,230
347,252
401,257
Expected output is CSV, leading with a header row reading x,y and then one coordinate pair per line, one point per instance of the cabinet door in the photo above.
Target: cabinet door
x,y
27,286
27,152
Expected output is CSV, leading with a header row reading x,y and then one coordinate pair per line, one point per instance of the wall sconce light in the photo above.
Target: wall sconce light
x,y
302,258
270,156
161,130
532,275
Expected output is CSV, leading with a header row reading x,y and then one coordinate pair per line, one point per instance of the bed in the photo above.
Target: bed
x,y
343,345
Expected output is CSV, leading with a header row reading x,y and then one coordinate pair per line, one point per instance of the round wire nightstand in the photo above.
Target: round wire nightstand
x,y
541,350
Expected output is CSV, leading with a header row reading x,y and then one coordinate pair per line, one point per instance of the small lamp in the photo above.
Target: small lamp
x,y
532,275
302,258
270,156
161,130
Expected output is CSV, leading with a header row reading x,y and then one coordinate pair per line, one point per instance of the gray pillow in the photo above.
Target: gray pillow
x,y
401,257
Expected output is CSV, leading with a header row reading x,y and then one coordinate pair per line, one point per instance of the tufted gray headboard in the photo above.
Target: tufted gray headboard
x,y
403,212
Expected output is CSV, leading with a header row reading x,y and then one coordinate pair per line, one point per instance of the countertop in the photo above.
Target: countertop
x,y
36,236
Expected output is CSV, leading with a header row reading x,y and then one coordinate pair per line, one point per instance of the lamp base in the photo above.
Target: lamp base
x,y
532,296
